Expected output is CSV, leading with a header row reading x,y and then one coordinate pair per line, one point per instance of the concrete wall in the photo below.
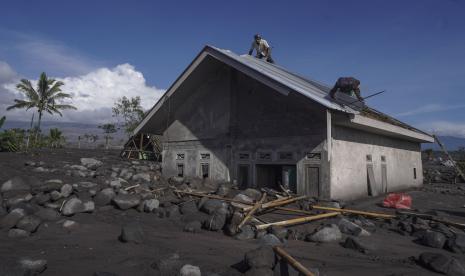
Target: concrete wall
x,y
350,148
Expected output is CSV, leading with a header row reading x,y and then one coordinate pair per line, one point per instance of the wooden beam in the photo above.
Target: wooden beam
x,y
370,214
293,262
279,202
296,220
252,211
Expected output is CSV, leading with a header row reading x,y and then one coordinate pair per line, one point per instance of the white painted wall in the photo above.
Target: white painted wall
x,y
348,164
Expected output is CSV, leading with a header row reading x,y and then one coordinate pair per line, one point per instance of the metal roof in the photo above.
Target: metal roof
x,y
309,88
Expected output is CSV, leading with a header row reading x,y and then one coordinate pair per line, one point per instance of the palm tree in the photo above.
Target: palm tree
x,y
2,120
44,98
56,138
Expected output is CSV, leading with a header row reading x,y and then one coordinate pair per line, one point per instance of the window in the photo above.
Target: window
x,y
205,170
286,156
244,156
383,158
264,155
205,156
313,156
414,173
369,158
181,170
180,156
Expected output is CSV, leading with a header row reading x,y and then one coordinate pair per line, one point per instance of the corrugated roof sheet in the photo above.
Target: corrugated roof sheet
x,y
309,88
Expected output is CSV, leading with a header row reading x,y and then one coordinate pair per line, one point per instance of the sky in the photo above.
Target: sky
x,y
103,50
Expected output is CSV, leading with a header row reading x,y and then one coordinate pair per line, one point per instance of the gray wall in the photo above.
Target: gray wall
x,y
349,162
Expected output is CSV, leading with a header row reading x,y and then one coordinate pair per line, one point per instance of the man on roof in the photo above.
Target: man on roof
x,y
262,49
347,85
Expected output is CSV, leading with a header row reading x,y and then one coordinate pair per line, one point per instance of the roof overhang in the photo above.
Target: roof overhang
x,y
375,126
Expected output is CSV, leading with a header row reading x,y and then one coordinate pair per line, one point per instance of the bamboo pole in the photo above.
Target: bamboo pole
x,y
294,210
296,220
252,211
370,214
213,197
293,262
276,203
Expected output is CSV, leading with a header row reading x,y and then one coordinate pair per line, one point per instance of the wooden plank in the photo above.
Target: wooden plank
x,y
293,262
295,221
278,202
252,211
357,212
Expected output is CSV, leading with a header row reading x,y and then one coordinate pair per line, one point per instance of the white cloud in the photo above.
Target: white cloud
x,y
429,108
445,128
95,93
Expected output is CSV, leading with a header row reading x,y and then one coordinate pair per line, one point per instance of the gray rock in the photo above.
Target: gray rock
x,y
132,233
141,177
247,232
70,225
89,206
168,265
66,190
151,204
261,257
55,195
29,223
433,239
242,198
18,233
85,186
78,167
327,234
15,184
441,264
252,193
269,240
217,220
20,198
172,211
73,206
104,197
193,227
40,170
278,231
223,189
358,245
456,244
350,228
47,214
33,267
42,198
190,270
10,220
259,271
211,205
91,163
125,202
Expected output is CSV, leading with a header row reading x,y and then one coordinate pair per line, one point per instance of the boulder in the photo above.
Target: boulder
x,y
441,264
189,207
125,202
433,239
350,228
327,234
89,206
78,167
190,270
42,198
259,271
29,223
141,177
168,265
70,225
261,257
55,195
217,220
252,193
118,183
73,206
456,244
66,190
15,184
49,186
104,197
132,233
209,206
32,266
10,220
91,163
47,214
247,232
19,198
172,211
18,233
151,204
223,189
269,240
243,198
279,231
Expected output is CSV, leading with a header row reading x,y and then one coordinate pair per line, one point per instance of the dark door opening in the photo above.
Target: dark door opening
x,y
271,176
243,176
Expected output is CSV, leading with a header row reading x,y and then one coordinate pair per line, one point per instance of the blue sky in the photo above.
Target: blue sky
x,y
413,49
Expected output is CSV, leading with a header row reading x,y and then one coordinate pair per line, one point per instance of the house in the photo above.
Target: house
x,y
240,119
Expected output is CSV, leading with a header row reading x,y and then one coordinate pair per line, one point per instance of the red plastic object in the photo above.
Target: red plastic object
x,y
398,201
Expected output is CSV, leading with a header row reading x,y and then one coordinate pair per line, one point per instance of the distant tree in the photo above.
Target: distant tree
x,y
56,138
91,138
44,98
2,121
130,110
108,130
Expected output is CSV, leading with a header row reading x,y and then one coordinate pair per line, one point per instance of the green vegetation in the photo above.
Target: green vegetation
x,y
131,112
56,138
108,129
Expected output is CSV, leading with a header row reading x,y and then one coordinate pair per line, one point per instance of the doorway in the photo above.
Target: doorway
x,y
312,180
243,172
272,175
